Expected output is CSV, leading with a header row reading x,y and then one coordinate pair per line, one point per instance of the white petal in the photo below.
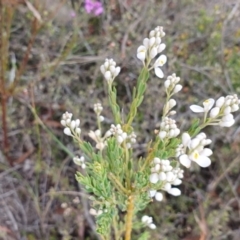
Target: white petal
x,y
146,42
161,47
177,88
175,192
177,181
159,196
77,122
141,49
234,108
206,152
152,226
117,71
162,134
152,193
170,176
73,124
153,178
167,187
108,75
172,103
158,72
176,132
220,102
160,61
102,69
227,110
78,130
214,112
162,176
63,122
152,41
203,161
141,56
196,108
185,161
146,219
153,52
67,131
208,104
185,139
201,136
167,83
227,124
194,143
227,118
156,160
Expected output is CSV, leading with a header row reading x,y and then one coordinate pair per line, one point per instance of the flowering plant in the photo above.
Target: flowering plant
x,y
116,180
94,7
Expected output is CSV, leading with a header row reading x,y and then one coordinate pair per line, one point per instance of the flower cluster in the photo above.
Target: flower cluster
x,y
96,136
163,172
171,103
148,221
151,47
117,131
109,70
131,139
97,107
168,128
71,126
221,114
80,161
171,85
194,150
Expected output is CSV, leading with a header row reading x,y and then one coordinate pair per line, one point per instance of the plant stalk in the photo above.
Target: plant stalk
x,y
129,217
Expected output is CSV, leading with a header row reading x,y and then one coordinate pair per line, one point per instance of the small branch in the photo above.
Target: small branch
x,y
117,184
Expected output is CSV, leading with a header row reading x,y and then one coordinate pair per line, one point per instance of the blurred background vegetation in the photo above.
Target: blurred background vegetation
x,y
50,53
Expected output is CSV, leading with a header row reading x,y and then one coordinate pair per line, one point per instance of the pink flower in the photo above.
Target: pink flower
x,y
94,7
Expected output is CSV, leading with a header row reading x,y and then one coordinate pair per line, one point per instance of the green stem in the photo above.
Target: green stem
x,y
118,184
113,103
138,96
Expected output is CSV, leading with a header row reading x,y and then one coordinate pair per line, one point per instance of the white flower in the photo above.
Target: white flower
x,y
159,63
96,136
148,221
97,107
168,126
193,150
207,105
109,70
141,53
79,161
